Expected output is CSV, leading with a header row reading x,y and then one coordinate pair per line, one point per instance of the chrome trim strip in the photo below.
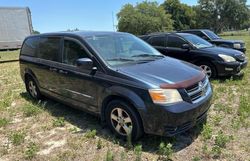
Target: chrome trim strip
x,y
85,95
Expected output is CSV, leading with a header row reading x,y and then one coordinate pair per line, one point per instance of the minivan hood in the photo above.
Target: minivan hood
x,y
162,71
221,50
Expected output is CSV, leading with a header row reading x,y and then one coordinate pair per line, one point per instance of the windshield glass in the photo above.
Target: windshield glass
x,y
197,41
211,34
122,49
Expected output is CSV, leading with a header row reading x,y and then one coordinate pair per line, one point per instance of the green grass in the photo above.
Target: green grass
x,y
9,55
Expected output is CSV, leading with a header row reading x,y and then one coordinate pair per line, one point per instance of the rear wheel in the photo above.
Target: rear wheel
x,y
32,88
208,68
123,120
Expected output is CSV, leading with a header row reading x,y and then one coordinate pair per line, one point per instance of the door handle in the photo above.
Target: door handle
x,y
63,72
53,69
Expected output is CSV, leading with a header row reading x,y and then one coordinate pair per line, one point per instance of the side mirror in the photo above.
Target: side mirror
x,y
84,63
185,46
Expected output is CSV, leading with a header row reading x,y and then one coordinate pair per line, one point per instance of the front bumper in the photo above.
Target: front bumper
x,y
228,69
173,119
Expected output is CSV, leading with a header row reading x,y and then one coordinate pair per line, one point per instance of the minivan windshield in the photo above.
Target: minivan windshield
x,y
122,49
197,41
211,35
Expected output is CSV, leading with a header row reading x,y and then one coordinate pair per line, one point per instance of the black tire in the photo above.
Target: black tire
x,y
35,92
210,66
137,129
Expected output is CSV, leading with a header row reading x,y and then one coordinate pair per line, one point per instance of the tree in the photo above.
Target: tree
x,y
145,17
182,14
35,32
222,14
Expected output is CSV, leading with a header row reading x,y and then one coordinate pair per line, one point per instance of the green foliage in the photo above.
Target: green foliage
x,y
244,109
31,151
3,122
221,140
30,110
59,122
216,150
90,134
138,152
109,156
165,151
182,14
17,137
206,132
145,17
196,158
99,144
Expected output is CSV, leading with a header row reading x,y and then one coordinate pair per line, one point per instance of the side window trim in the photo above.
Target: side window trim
x,y
58,54
176,37
77,42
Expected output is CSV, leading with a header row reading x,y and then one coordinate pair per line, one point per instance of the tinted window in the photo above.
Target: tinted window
x,y
72,51
175,42
30,46
49,48
158,41
211,34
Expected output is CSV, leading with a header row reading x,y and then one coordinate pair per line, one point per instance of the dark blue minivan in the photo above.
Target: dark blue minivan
x,y
118,77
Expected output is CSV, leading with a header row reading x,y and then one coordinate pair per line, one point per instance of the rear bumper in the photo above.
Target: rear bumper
x,y
228,69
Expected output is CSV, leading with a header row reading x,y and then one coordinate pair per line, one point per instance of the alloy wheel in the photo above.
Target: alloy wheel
x,y
32,89
207,70
121,121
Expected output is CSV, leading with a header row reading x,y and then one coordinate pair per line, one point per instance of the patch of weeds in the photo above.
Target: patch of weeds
x,y
220,107
90,134
3,122
217,119
165,151
216,151
138,152
30,110
236,123
109,156
73,129
205,150
123,156
196,158
99,144
59,122
244,109
221,140
129,139
17,137
206,132
31,150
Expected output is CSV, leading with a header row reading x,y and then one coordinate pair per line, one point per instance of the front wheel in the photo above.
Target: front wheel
x,y
208,68
123,120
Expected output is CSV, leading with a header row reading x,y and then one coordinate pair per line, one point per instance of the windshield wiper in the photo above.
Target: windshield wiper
x,y
120,59
148,55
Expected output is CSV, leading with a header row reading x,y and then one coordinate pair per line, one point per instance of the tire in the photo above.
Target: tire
x,y
209,69
120,117
32,88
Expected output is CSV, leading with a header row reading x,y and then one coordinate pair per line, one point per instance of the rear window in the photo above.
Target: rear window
x,y
30,46
49,48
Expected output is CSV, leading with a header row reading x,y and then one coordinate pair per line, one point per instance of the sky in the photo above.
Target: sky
x,y
55,15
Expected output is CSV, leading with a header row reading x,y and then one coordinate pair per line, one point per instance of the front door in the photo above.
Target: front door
x,y
76,83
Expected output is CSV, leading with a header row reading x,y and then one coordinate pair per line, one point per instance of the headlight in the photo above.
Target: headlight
x,y
237,46
227,58
165,96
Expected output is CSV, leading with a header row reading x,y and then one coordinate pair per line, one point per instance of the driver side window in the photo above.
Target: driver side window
x,y
175,42
73,51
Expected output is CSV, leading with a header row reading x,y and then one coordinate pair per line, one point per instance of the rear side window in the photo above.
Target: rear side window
x,y
72,52
30,46
49,48
158,41
175,42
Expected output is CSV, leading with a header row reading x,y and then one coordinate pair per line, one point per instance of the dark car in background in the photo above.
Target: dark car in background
x,y
215,61
118,77
216,40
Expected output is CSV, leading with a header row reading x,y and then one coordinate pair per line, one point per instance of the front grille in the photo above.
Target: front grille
x,y
198,90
